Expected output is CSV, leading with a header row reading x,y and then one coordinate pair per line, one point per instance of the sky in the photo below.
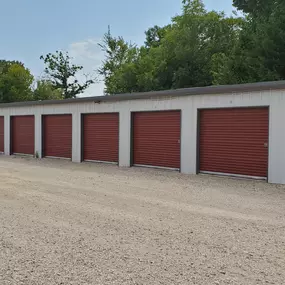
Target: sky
x,y
32,28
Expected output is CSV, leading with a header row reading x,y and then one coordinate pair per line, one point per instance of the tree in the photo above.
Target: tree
x,y
15,82
119,54
201,48
197,37
62,74
253,6
175,56
155,35
46,91
259,53
5,64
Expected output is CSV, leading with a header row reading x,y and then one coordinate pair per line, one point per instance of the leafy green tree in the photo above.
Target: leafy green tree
x,y
197,37
155,35
5,64
119,55
175,56
46,91
259,53
253,6
201,48
15,82
62,73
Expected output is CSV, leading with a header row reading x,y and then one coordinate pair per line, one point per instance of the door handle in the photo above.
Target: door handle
x,y
266,145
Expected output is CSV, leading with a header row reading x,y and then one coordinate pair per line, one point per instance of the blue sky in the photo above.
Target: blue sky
x,y
31,28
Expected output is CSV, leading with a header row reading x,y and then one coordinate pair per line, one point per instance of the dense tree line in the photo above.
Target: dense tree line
x,y
198,48
201,48
60,82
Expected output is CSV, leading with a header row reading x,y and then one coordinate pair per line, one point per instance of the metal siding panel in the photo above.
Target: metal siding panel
x,y
156,138
101,137
23,134
232,141
1,133
58,135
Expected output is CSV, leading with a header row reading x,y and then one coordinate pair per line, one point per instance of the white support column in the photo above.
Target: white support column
x,y
76,137
7,134
276,165
38,135
188,139
125,138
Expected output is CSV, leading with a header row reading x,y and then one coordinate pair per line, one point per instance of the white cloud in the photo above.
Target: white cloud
x,y
88,54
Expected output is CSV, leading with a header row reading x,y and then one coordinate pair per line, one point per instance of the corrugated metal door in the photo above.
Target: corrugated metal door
x,y
101,137
1,133
234,141
57,130
156,139
23,134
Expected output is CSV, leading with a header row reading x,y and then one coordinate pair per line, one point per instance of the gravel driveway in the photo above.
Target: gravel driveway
x,y
66,223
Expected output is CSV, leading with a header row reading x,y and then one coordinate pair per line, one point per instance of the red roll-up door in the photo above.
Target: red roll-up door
x,y
23,134
101,137
234,141
156,139
1,133
57,136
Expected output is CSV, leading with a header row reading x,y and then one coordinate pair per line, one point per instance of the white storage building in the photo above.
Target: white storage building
x,y
233,130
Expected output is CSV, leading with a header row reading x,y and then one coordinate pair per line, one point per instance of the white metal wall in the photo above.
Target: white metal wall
x,y
189,106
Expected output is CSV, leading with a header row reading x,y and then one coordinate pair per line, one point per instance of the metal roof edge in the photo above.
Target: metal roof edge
x,y
216,89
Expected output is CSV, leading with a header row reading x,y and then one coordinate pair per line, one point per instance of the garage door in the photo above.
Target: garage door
x,y
101,137
156,139
234,141
1,133
57,130
23,135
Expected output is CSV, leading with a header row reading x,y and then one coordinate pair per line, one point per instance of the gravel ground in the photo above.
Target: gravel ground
x,y
66,223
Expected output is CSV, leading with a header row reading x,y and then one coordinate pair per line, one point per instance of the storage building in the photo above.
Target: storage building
x,y
231,130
